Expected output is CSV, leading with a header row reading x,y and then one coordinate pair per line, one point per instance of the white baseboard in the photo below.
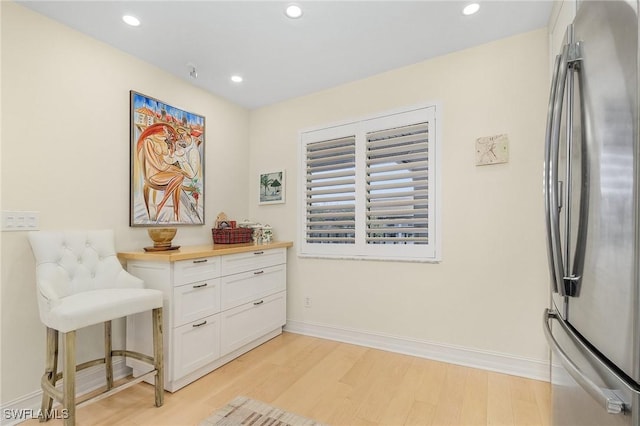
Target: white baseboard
x,y
27,406
502,363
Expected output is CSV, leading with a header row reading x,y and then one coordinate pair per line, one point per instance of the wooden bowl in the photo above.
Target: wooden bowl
x,y
162,237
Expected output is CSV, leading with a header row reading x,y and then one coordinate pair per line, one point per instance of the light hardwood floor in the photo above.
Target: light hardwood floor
x,y
338,384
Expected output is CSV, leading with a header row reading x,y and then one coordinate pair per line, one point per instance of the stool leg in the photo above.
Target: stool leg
x,y
158,355
51,370
108,354
69,378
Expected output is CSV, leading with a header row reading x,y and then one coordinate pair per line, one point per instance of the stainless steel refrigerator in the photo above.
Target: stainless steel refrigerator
x,y
591,182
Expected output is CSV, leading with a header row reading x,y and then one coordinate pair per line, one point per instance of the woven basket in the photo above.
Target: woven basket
x,y
231,235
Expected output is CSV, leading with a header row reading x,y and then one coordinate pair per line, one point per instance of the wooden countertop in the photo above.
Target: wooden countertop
x,y
205,250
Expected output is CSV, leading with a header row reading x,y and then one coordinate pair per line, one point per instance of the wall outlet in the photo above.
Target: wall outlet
x,y
20,221
307,302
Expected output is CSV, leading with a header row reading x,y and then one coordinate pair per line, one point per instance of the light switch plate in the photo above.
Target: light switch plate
x,y
20,221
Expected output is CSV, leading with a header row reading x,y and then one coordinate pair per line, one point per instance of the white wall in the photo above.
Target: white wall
x,y
489,291
65,154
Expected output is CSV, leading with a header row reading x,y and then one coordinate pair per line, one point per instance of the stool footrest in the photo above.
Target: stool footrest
x,y
49,389
118,388
131,354
135,355
58,395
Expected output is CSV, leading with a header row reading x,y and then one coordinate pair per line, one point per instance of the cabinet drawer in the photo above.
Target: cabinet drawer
x,y
195,345
196,300
242,262
246,287
252,320
193,270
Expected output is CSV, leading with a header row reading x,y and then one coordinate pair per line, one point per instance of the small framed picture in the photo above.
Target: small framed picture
x,y
272,187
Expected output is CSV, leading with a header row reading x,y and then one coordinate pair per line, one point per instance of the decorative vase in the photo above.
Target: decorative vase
x,y
267,234
162,237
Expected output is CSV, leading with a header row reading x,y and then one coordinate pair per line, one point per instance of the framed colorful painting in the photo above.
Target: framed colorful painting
x,y
167,164
272,189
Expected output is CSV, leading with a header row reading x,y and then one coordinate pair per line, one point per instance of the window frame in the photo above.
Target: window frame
x,y
430,252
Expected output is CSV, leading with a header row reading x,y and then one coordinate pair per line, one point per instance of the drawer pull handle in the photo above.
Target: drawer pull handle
x,y
258,272
258,252
258,303
200,324
200,285
201,261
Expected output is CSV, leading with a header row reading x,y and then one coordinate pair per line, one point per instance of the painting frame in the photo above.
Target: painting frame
x,y
167,164
272,187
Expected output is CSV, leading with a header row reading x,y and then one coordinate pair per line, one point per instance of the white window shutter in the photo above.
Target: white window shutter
x,y
397,197
370,188
330,191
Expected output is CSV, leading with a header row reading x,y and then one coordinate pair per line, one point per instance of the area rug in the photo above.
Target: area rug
x,y
247,411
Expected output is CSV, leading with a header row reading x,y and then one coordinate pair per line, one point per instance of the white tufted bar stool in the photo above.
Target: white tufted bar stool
x,y
81,282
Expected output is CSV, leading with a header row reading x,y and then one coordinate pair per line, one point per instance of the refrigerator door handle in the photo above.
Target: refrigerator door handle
x,y
573,277
547,164
551,180
606,397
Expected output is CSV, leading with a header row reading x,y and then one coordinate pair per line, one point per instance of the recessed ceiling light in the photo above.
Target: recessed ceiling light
x,y
236,78
293,11
471,9
131,20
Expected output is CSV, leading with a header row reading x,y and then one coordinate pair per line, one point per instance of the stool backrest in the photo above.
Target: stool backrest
x,y
68,262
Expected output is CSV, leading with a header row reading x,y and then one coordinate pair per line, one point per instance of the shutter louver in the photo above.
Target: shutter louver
x,y
397,185
330,191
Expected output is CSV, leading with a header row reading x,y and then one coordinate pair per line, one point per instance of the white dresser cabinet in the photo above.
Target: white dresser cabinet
x,y
219,303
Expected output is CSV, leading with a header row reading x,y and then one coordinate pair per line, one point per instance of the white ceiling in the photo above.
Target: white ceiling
x,y
334,42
